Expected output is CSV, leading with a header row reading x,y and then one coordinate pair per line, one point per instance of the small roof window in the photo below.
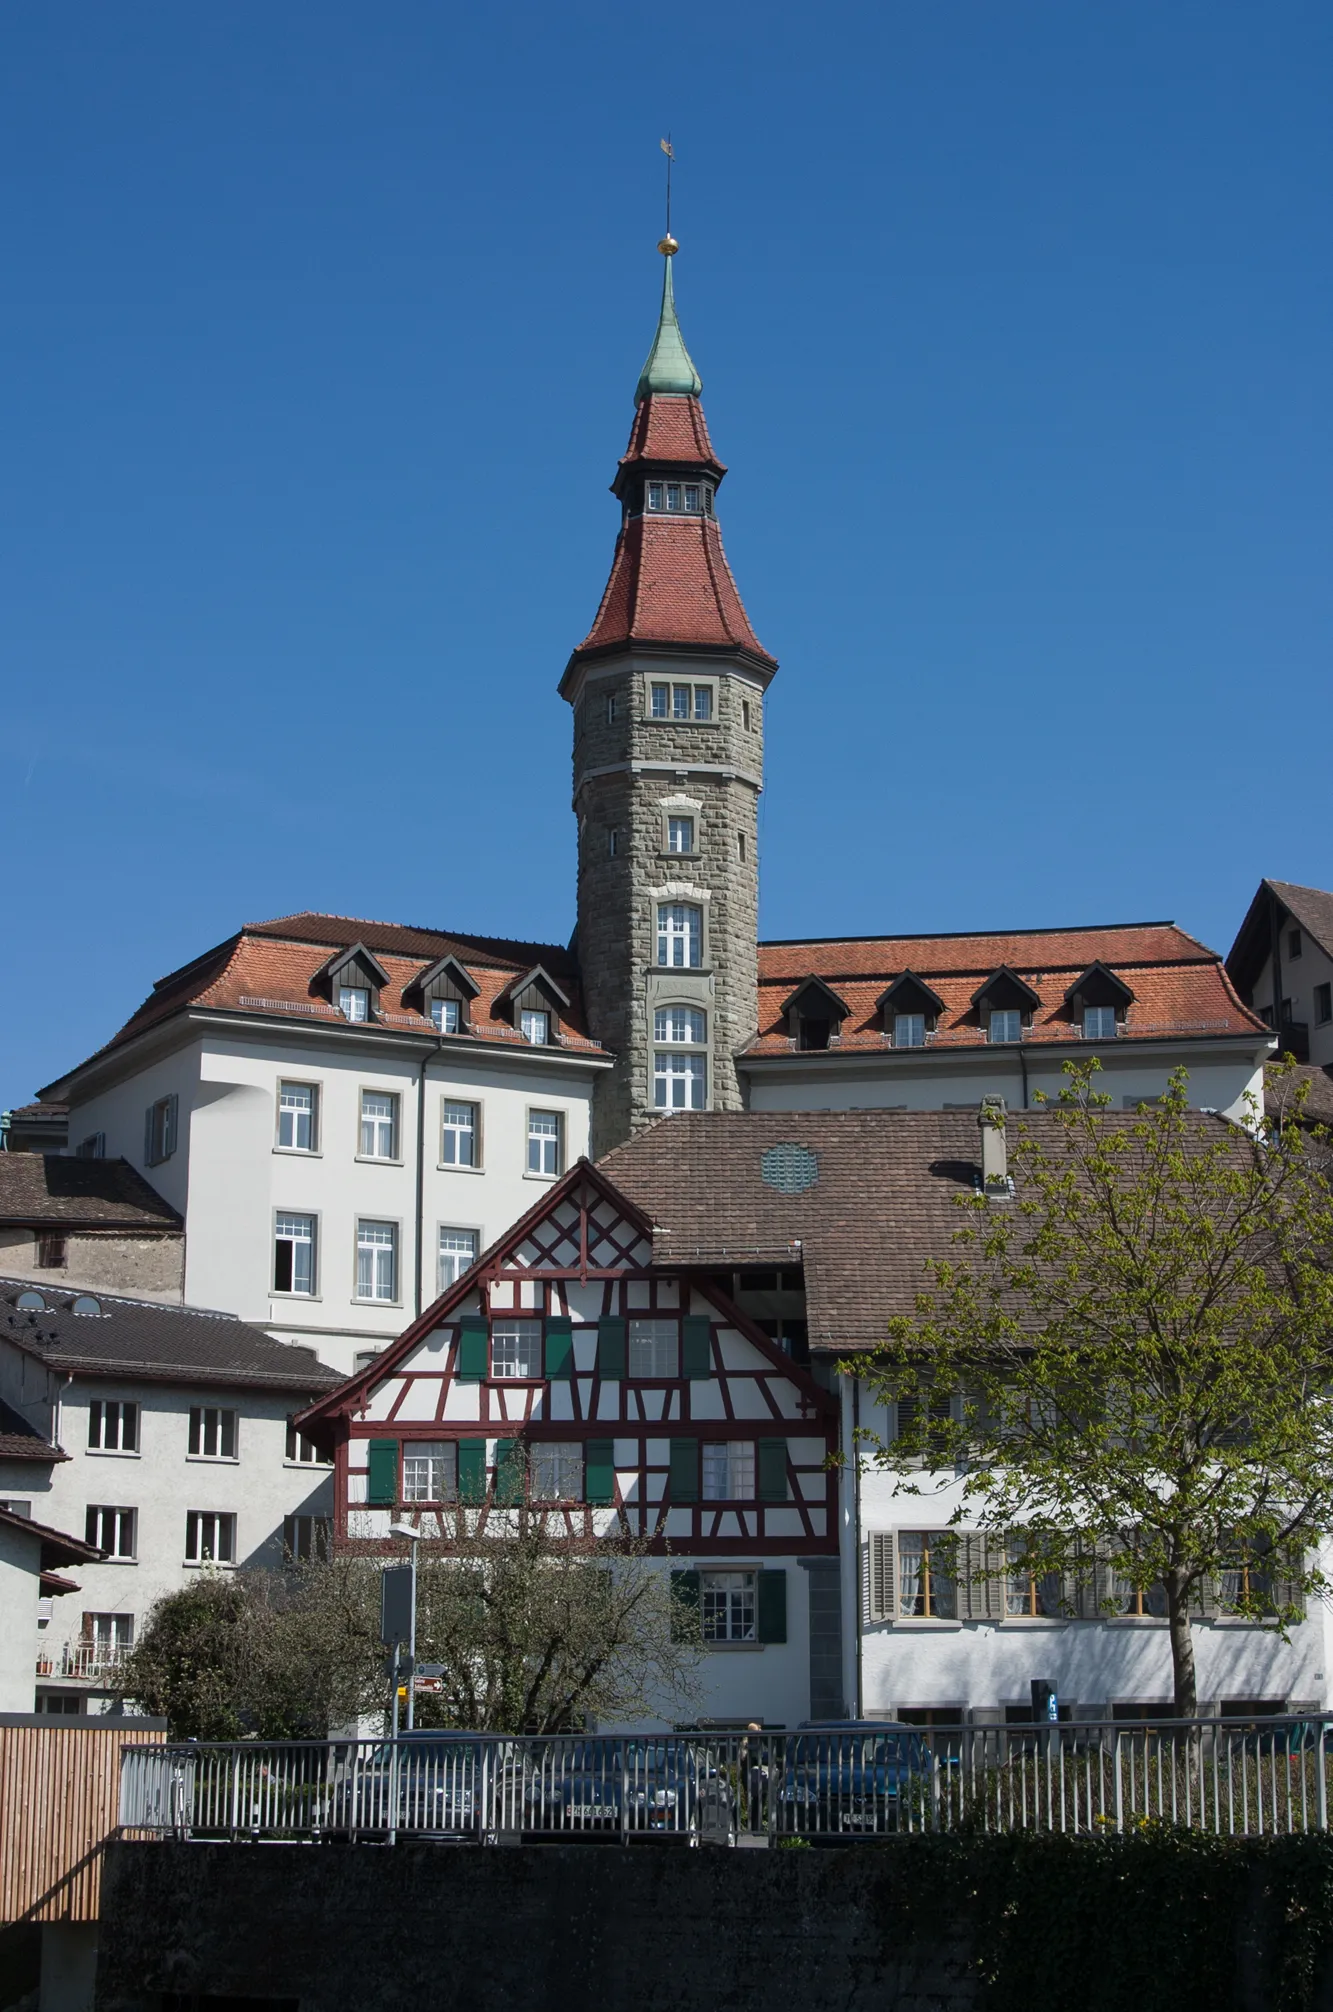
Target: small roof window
x,y
87,1305
30,1302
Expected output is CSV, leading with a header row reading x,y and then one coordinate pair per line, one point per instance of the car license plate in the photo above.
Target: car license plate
x,y
591,1809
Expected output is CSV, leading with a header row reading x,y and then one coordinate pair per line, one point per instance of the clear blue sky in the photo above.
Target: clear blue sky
x,y
320,328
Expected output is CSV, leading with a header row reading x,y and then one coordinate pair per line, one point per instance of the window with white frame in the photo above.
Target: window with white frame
x,y
458,1249
444,1016
212,1432
680,1081
376,1260
379,1125
545,1140
555,1471
610,709
654,1347
430,1470
113,1426
1142,1603
728,1470
680,834
1006,1024
112,1530
909,1030
516,1349
307,1537
1099,1023
535,1027
354,1002
298,1105
294,1254
105,1638
303,1452
160,1131
210,1537
660,702
458,1135
727,1606
680,935
683,1026
927,1575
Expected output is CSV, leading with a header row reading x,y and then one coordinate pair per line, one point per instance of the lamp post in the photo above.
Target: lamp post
x,y
413,1535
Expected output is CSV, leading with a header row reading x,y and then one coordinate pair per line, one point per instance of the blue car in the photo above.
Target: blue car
x,y
854,1777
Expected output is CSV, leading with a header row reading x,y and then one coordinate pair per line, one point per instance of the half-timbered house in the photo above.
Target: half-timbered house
x,y
573,1368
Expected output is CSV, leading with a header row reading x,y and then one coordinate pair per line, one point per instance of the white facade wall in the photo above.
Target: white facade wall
x,y
20,1592
1301,977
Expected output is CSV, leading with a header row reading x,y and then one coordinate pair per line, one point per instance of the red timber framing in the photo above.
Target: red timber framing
x,y
567,1367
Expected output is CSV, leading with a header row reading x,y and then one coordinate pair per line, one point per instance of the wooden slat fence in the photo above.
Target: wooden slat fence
x,y
59,1804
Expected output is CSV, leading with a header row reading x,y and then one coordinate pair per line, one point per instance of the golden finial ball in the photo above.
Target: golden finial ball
x,y
667,245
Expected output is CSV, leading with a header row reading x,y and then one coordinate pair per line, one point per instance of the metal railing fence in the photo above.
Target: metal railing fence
x,y
1230,1777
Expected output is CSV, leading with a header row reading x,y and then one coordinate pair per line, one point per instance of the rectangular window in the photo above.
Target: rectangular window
x,y
1030,1593
728,1470
1323,1004
745,714
555,1471
680,834
926,1582
458,1248
444,1016
458,1137
682,1024
113,1426
516,1349
661,702
1099,1023
430,1470
93,1147
303,1452
52,1250
294,1254
212,1432
610,709
680,1082
1006,1024
1247,1583
679,935
112,1530
673,495
654,1347
680,702
103,1640
545,1142
727,1606
210,1538
654,495
612,843
160,1131
379,1125
703,702
297,1110
535,1028
909,1030
691,496
1295,945
1143,1602
354,1002
307,1537
376,1260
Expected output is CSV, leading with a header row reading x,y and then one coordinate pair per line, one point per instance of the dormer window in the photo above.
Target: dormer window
x,y
354,1002
444,1016
680,498
533,1004
1097,1003
910,1011
535,1027
909,1030
815,1015
352,980
1004,1005
1099,1023
1005,1024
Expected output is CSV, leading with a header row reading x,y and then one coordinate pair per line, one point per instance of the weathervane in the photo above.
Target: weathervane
x,y
668,245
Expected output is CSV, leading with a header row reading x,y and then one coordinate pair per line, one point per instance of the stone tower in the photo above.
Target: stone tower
x,y
667,691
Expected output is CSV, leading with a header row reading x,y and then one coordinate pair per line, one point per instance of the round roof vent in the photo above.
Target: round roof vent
x,y
30,1302
86,1304
790,1169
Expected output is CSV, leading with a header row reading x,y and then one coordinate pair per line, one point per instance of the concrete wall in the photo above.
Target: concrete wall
x,y
1300,976
20,1590
144,1266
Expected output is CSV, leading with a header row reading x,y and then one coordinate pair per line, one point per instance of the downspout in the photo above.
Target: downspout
x,y
856,1538
1275,952
1023,1065
421,1174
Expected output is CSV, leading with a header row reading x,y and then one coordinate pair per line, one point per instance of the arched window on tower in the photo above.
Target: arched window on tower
x,y
680,1067
680,935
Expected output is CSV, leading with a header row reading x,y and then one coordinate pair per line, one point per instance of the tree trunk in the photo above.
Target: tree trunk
x,y
1182,1646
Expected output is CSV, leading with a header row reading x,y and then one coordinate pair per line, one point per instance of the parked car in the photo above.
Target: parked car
x,y
445,1783
645,1786
850,1776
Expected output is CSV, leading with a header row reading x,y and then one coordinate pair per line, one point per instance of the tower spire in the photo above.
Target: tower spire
x,y
669,367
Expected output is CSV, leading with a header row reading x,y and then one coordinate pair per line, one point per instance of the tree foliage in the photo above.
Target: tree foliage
x,y
1127,1365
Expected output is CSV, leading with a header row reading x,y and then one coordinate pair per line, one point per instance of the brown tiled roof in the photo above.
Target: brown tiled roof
x,y
884,1199
58,1547
1312,907
40,1110
1179,985
51,1188
1280,1087
19,1440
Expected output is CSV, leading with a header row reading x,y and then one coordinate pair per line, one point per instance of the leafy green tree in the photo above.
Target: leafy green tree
x,y
1128,1362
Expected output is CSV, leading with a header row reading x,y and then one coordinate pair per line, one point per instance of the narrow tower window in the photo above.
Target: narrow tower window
x,y
680,834
679,934
740,847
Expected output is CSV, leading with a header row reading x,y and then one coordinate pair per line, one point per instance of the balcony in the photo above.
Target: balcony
x,y
85,1660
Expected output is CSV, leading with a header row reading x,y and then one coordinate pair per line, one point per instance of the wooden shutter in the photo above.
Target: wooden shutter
x,y
509,1467
771,1605
684,1470
148,1159
599,1470
696,1346
611,1347
980,1578
382,1484
1287,1592
471,1470
881,1577
559,1351
473,1344
685,1599
772,1470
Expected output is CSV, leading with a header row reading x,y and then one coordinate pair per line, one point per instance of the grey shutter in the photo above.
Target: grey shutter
x,y
611,1347
881,1576
771,1605
980,1579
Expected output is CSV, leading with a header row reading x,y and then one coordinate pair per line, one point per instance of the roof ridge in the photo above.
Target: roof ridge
x,y
949,935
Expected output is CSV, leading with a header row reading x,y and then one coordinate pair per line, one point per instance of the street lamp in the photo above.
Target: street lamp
x,y
410,1531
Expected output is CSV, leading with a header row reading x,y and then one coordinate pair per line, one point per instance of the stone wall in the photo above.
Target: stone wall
x,y
148,1265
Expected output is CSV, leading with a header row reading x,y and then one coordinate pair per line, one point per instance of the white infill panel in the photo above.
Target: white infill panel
x,y
463,1404
585,1350
789,1398
747,1399
530,1294
561,1401
811,1486
786,1523
502,1295
357,1481
653,1402
383,1398
679,1523
706,1401
657,1453
423,1398
584,1302
807,1451
637,1293
739,1352
668,1292
626,1453
608,1403
655,1486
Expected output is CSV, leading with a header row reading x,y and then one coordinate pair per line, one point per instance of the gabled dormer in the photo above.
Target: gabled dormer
x,y
1098,1002
443,992
352,980
814,1014
909,1011
1004,1005
536,1005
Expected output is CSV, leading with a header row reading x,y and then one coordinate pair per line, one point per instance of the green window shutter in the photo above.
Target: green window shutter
x,y
611,1347
599,1470
772,1606
772,1470
559,1356
685,1601
382,1486
473,1348
696,1346
471,1470
684,1470
509,1467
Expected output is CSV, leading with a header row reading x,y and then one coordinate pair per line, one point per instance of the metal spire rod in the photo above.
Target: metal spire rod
x,y
670,154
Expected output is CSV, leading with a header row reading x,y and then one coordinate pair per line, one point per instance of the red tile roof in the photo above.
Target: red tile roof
x,y
671,429
1179,985
670,583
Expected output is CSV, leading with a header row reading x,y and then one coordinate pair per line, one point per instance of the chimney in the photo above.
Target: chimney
x,y
994,1151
